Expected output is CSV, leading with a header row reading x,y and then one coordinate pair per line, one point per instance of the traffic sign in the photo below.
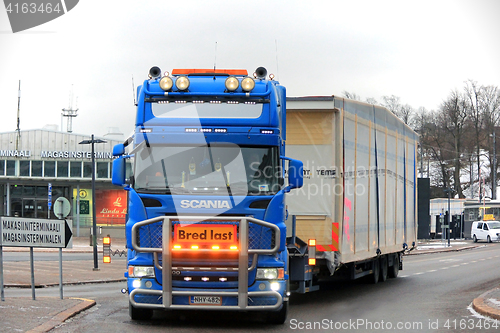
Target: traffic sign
x,y
26,232
62,207
50,196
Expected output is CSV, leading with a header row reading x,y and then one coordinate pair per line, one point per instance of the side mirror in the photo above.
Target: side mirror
x,y
119,149
119,168
295,174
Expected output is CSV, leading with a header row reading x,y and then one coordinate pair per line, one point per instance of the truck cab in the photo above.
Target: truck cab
x,y
206,184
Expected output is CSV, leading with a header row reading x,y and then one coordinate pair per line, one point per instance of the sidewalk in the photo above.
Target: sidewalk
x,y
24,314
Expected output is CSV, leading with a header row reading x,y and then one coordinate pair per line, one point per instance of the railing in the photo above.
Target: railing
x,y
165,251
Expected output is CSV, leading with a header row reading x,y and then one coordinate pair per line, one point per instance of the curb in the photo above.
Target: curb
x,y
39,286
443,250
64,315
481,307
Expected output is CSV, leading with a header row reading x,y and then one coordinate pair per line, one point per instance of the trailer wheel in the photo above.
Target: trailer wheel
x,y
394,271
139,313
383,268
278,317
376,271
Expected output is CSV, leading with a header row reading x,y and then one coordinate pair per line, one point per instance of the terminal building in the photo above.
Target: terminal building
x,y
31,160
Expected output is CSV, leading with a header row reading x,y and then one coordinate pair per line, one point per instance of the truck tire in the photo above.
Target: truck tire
x,y
139,313
383,268
376,271
278,317
474,238
394,269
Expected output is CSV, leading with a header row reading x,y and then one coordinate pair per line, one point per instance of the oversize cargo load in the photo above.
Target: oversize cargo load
x,y
359,195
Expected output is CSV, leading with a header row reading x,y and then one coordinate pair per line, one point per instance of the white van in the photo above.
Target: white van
x,y
485,230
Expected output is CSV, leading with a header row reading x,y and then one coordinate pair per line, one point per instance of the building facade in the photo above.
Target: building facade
x,y
29,162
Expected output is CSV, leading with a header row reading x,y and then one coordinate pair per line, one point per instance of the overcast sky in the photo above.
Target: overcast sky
x,y
417,50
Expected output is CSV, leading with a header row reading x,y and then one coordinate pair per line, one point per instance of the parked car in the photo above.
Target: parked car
x,y
486,230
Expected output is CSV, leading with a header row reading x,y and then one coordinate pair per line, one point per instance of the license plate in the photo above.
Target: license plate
x,y
205,300
205,234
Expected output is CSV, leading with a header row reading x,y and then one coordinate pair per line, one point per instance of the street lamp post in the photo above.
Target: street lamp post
x,y
94,224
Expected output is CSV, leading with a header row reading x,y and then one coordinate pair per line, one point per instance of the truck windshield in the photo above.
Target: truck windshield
x,y
215,169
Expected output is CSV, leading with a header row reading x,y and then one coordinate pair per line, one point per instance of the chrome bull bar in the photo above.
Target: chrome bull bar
x,y
166,252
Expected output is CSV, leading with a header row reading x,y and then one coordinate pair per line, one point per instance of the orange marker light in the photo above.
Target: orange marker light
x,y
177,247
233,247
312,242
106,259
312,261
194,247
215,247
106,240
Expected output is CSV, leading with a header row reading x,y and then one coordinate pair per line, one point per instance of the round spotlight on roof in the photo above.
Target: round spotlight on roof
x,y
247,84
232,83
182,83
166,83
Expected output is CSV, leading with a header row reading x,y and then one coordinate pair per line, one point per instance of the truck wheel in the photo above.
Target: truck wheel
x,y
383,268
139,313
394,271
474,238
376,271
489,239
278,317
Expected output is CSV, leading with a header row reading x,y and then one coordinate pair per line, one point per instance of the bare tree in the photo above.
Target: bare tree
x,y
351,95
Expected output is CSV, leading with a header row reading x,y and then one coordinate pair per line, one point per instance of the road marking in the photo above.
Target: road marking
x,y
432,270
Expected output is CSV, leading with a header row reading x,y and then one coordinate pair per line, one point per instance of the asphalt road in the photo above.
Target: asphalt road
x,y
432,294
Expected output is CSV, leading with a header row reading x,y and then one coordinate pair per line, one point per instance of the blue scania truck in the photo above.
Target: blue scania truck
x,y
207,175
206,198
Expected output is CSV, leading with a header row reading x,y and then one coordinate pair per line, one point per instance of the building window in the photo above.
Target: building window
x,y
28,191
24,168
36,168
42,191
75,169
49,169
11,168
2,167
62,169
87,169
102,169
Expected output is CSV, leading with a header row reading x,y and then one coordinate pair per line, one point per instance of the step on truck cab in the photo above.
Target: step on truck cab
x,y
205,174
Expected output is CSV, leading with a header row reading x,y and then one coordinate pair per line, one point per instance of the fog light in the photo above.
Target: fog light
x,y
148,284
136,283
275,286
262,286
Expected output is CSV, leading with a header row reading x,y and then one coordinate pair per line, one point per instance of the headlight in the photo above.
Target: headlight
x,y
270,273
166,83
232,83
182,83
141,271
247,84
